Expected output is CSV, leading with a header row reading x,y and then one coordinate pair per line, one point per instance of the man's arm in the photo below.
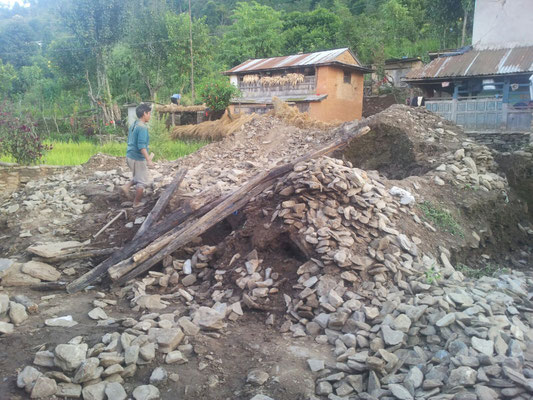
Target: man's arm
x,y
147,157
142,144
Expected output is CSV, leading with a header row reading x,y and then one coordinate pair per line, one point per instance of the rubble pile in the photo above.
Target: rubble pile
x,y
471,166
13,312
76,370
335,252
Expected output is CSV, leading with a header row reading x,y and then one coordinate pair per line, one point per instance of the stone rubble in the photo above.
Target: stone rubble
x,y
402,322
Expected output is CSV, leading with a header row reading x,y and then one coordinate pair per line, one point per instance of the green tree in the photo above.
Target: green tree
x,y
179,56
255,33
18,43
149,41
310,31
7,77
97,25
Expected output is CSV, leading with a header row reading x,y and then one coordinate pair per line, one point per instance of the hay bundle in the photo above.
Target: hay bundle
x,y
269,81
281,80
212,130
252,78
292,116
294,79
170,108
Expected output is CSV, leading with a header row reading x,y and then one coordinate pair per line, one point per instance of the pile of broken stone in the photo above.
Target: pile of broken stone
x,y
14,312
402,323
470,166
76,370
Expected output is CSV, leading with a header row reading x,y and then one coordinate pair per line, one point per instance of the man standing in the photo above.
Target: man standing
x,y
137,155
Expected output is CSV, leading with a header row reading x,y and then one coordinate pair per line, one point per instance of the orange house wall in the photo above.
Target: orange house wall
x,y
344,101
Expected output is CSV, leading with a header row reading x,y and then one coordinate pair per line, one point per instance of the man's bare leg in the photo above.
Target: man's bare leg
x,y
138,196
126,189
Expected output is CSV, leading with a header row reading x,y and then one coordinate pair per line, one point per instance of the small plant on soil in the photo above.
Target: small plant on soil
x,y
488,269
441,218
432,275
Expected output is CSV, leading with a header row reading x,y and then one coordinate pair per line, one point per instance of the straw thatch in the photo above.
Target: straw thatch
x,y
171,108
212,130
292,116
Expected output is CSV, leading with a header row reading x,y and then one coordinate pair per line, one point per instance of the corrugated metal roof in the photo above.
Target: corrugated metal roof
x,y
477,63
296,60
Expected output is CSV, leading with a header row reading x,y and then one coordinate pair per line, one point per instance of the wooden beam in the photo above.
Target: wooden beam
x,y
188,211
151,255
162,202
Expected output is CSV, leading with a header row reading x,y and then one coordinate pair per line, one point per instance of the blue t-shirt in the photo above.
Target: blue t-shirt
x,y
137,139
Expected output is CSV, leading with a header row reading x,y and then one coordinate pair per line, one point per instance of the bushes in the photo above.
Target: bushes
x,y
216,95
18,140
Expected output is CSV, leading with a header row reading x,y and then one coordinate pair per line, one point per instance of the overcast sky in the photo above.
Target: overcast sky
x,y
10,3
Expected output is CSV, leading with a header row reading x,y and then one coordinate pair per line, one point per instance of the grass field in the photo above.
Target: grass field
x,y
73,153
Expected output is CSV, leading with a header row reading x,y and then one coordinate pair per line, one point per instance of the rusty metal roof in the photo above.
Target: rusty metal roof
x,y
296,60
477,63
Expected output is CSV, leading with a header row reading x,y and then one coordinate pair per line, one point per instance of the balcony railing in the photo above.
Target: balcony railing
x,y
482,114
251,90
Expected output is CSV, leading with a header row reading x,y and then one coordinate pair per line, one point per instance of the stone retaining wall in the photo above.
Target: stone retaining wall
x,y
503,141
12,176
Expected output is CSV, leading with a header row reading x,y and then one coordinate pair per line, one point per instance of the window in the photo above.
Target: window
x,y
347,77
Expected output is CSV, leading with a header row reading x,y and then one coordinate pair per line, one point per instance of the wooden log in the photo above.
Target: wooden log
x,y
170,243
189,211
48,286
240,197
162,202
77,255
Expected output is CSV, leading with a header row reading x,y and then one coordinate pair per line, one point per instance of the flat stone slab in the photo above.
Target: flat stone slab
x,y
66,322
41,271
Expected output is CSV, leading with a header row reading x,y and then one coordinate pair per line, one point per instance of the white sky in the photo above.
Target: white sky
x,y
11,3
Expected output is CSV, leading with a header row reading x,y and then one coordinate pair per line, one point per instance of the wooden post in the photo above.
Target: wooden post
x,y
162,202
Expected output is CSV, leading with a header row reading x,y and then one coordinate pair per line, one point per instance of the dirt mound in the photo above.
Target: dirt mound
x,y
518,167
403,141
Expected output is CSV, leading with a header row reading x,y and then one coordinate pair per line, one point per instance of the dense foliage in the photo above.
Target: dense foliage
x,y
19,140
72,64
216,95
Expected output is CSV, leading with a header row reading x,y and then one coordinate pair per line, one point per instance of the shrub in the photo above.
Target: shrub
x,y
217,95
442,218
18,140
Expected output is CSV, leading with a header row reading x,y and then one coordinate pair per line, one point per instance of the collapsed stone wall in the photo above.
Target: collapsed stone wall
x,y
12,176
503,141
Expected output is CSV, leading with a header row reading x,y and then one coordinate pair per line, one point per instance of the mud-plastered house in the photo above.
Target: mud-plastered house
x,y
326,84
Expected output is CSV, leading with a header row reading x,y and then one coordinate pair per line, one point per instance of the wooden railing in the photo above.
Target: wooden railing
x,y
482,113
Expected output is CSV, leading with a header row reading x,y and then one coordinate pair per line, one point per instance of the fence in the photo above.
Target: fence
x,y
483,114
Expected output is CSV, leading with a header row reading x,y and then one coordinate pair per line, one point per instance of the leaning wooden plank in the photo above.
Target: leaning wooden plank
x,y
190,210
77,255
162,202
154,253
121,212
161,248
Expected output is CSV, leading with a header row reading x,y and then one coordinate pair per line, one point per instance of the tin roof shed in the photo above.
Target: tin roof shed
x,y
517,60
328,57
